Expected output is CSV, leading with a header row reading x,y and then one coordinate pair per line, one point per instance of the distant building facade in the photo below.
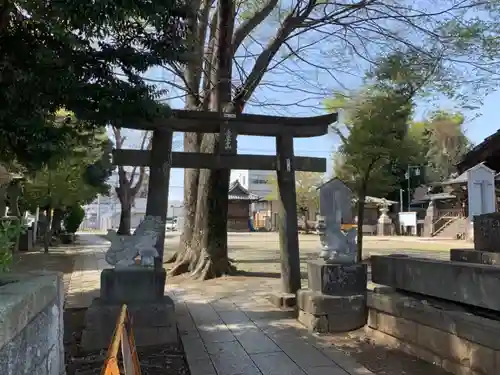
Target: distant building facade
x,y
260,183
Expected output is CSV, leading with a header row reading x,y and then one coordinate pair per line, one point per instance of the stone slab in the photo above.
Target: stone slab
x,y
154,323
333,323
465,255
132,284
23,296
318,303
474,256
336,279
283,300
31,324
450,318
487,232
468,283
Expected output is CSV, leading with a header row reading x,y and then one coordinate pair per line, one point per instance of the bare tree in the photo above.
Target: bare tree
x,y
315,42
129,183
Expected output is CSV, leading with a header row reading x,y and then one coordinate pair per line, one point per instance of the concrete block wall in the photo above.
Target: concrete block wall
x,y
31,324
459,342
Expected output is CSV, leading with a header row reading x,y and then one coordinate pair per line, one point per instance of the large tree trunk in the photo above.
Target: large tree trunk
x,y
210,236
205,251
57,221
125,215
191,176
213,185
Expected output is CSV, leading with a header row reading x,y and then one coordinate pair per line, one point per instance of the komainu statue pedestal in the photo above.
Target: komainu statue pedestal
x,y
152,313
336,298
140,287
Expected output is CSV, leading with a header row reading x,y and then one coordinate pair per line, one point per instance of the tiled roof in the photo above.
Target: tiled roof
x,y
238,192
478,153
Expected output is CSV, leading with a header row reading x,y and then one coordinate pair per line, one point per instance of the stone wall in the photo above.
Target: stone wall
x,y
446,335
31,324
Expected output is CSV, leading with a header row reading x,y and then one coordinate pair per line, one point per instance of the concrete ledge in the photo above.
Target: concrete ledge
x,y
24,296
474,256
31,323
443,334
468,283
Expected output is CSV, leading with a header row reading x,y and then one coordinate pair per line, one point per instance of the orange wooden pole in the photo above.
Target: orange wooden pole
x,y
111,364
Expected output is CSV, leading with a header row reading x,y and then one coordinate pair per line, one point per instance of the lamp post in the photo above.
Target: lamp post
x,y
416,169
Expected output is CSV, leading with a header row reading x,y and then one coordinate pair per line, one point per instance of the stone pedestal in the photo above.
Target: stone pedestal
x,y
26,241
132,284
336,298
152,313
384,223
431,215
487,232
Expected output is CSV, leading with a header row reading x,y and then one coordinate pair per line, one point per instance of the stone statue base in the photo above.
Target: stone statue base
x,y
384,224
384,229
152,313
154,323
132,284
336,298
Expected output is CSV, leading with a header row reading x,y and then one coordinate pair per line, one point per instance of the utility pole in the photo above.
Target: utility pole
x,y
411,168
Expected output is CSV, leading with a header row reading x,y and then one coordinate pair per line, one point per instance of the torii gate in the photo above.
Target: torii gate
x,y
161,159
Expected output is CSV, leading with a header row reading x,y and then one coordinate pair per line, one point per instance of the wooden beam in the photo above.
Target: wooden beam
x,y
159,178
210,161
288,234
244,124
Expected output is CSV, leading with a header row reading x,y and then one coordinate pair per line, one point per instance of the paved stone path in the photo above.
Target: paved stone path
x,y
230,330
227,325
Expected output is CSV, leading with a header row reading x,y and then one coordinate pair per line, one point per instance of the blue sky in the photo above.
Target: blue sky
x,y
477,129
297,87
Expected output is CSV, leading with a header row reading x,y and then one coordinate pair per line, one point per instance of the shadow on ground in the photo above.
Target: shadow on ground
x,y
278,325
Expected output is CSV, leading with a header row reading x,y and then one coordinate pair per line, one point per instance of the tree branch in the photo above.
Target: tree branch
x,y
143,142
209,65
193,71
251,23
291,23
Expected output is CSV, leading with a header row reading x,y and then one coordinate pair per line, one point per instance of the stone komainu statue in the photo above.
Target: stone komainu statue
x,y
124,249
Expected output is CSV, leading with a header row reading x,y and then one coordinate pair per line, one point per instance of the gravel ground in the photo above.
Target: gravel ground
x,y
382,360
154,360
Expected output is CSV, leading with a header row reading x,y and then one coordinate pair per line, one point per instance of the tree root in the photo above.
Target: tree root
x,y
172,259
183,262
180,266
207,268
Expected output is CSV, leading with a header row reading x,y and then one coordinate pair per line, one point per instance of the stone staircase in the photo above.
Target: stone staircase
x,y
450,227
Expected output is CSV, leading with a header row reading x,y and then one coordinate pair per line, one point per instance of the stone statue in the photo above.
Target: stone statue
x,y
124,249
384,223
335,208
